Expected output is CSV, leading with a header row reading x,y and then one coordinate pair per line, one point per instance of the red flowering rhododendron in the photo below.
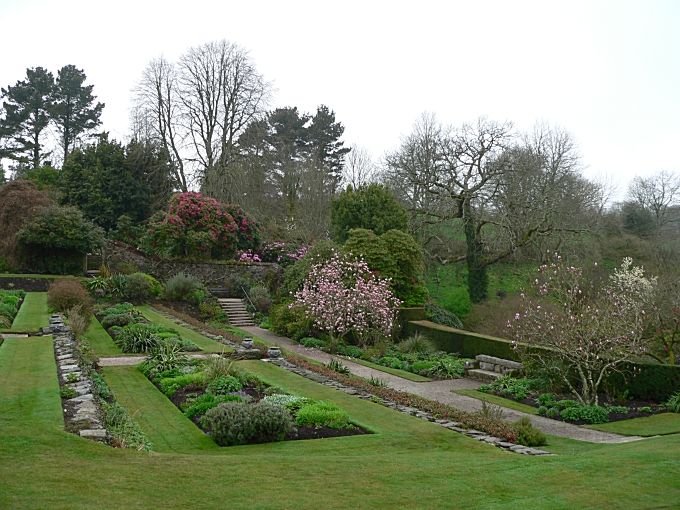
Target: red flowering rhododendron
x,y
198,226
343,297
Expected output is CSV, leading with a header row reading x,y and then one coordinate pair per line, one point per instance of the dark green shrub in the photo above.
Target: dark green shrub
x,y
436,313
170,385
351,351
223,385
201,404
180,286
417,343
290,322
509,386
372,207
121,320
527,434
56,240
395,255
547,399
446,367
163,358
66,293
588,414
197,296
141,288
211,311
313,342
322,414
235,423
262,300
673,403
138,338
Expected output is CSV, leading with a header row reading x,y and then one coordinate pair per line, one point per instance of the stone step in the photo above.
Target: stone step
x,y
483,375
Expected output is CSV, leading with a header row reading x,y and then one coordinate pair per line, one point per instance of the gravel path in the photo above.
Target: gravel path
x,y
126,361
442,391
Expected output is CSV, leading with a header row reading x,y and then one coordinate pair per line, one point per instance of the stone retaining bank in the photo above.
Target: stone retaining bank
x,y
82,414
365,395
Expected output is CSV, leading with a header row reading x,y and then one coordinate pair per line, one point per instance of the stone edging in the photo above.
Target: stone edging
x,y
365,395
82,414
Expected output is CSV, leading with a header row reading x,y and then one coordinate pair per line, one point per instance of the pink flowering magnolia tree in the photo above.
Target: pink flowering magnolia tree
x,y
343,297
581,333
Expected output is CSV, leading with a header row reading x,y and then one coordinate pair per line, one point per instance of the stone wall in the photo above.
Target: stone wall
x,y
223,274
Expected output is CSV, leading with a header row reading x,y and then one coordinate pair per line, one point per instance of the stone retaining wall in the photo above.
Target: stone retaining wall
x,y
229,274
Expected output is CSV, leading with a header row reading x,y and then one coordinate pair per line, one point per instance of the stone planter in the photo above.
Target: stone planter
x,y
247,343
274,353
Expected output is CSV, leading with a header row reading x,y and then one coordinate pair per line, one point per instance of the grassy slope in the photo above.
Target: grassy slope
x,y
394,371
100,341
204,343
495,399
409,463
166,427
657,424
33,313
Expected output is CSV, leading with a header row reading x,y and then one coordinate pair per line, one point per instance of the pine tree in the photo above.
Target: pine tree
x,y
73,109
27,108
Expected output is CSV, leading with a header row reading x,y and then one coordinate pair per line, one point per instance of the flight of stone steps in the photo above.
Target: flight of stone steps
x,y
235,309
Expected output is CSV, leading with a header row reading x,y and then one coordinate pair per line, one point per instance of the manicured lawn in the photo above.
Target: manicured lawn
x,y
165,426
33,313
408,463
657,424
204,343
500,401
100,341
394,371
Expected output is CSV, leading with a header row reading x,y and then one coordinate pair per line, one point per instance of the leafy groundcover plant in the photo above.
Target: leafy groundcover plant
x,y
235,407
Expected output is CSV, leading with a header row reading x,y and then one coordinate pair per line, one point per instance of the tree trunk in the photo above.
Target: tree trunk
x,y
478,280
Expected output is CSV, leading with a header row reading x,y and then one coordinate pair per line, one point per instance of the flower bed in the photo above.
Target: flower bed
x,y
561,407
134,334
10,302
235,407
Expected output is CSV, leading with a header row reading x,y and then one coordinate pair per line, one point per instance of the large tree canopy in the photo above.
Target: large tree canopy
x,y
106,180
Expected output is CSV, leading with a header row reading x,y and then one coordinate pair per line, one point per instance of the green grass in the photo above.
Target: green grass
x,y
407,463
394,371
165,425
99,340
500,401
204,343
654,425
33,313
447,284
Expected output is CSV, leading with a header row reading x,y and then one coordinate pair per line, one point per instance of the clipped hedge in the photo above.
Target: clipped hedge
x,y
640,380
465,343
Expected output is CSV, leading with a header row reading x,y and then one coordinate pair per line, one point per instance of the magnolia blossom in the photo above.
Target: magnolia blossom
x,y
588,331
343,297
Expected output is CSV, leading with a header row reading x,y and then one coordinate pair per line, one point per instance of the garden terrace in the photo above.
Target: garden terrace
x,y
442,467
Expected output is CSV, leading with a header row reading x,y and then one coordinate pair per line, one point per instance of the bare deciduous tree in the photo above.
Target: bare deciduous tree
x,y
157,111
359,168
200,105
658,195
506,193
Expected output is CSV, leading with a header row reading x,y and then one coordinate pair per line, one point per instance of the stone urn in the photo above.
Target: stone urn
x,y
247,343
274,352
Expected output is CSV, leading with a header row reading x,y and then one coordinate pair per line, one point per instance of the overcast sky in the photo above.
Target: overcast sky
x,y
607,71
